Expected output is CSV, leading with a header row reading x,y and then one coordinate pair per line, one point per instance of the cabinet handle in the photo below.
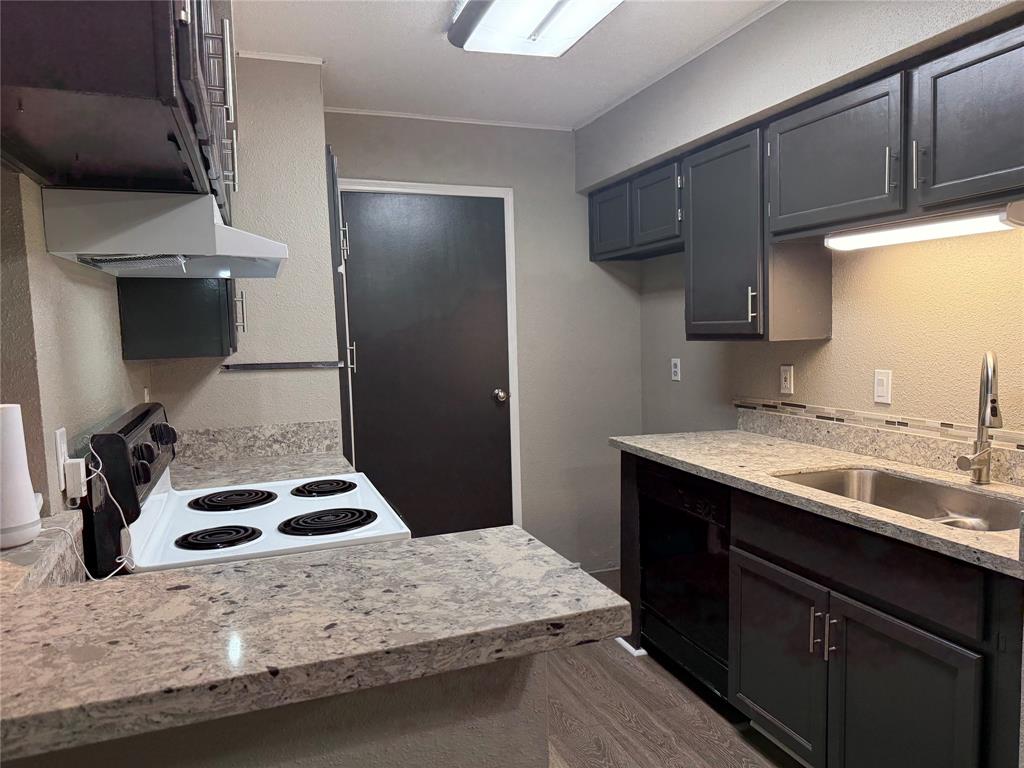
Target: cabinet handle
x,y
811,639
229,72
352,356
234,160
829,621
240,321
913,163
888,153
751,314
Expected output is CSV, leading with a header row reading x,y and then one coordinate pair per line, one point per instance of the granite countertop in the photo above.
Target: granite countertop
x,y
751,462
150,651
47,560
187,475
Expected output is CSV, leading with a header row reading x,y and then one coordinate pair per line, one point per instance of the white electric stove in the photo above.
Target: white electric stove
x,y
215,525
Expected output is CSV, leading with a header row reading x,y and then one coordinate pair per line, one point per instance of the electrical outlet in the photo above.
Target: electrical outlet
x,y
677,369
786,383
60,444
883,386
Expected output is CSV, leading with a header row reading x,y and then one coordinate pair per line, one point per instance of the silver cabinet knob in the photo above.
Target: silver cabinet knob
x,y
499,395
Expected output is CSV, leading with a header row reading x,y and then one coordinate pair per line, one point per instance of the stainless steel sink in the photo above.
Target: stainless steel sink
x,y
954,507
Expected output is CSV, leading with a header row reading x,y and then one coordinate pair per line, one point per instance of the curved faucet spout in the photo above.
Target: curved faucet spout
x,y
989,417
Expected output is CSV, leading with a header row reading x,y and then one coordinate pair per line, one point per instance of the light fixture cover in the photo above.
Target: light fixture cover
x,y
526,27
997,220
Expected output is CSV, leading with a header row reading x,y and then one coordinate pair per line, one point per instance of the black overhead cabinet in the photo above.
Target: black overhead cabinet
x,y
839,160
638,218
725,249
118,95
967,122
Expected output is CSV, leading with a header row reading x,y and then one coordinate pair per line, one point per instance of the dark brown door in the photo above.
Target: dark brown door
x,y
898,695
427,318
777,673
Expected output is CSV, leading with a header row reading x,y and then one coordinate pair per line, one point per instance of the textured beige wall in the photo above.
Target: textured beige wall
x,y
282,195
578,323
927,311
83,381
19,382
798,50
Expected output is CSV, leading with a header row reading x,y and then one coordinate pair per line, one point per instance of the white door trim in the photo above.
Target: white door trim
x,y
505,193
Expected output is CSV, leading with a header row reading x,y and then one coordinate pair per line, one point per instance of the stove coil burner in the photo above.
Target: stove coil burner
x,y
327,521
218,538
233,500
328,487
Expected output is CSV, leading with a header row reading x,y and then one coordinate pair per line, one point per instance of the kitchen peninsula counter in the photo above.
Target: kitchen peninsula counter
x,y
152,651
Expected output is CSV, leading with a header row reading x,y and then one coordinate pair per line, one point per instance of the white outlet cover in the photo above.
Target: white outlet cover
x,y
883,386
60,444
787,385
677,369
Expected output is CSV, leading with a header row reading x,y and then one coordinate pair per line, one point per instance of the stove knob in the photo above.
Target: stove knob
x,y
143,472
146,451
164,433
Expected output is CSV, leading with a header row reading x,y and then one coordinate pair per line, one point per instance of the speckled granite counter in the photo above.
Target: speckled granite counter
x,y
48,560
751,462
140,653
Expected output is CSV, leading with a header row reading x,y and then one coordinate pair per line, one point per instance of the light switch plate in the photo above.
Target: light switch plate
x,y
786,383
883,386
677,370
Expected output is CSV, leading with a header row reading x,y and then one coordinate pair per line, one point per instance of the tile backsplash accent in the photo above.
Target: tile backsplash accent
x,y
208,445
920,442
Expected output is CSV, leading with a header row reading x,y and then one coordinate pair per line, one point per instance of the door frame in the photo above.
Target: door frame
x,y
505,194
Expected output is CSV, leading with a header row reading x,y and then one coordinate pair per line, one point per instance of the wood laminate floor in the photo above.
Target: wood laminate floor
x,y
607,709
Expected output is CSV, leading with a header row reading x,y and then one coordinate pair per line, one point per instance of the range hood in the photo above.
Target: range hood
x,y
153,234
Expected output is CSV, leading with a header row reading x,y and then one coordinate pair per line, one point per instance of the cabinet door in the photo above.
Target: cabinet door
x,y
725,253
838,160
610,220
898,695
967,122
777,672
657,215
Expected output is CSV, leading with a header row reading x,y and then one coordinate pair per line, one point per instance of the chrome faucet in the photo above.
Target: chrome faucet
x,y
989,417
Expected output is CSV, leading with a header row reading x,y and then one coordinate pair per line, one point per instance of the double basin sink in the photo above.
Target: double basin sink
x,y
950,506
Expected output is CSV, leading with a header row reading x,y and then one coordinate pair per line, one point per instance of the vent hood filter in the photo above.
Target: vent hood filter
x,y
153,234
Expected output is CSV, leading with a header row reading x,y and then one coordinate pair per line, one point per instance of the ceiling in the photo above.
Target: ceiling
x,y
392,56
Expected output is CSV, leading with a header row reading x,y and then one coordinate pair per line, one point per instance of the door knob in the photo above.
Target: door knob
x,y
499,395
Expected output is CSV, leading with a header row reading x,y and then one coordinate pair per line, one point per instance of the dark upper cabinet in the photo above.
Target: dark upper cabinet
x,y
168,317
967,122
724,245
610,229
777,673
839,160
114,95
898,695
657,209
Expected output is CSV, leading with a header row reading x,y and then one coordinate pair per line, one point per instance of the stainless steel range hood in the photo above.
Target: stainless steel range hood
x,y
153,234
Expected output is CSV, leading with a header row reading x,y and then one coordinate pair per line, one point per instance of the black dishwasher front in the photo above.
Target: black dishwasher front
x,y
684,562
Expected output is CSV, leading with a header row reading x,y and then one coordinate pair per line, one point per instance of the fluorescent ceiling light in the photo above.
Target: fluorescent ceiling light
x,y
526,27
991,221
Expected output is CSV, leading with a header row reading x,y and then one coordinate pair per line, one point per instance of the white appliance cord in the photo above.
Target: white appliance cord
x,y
123,560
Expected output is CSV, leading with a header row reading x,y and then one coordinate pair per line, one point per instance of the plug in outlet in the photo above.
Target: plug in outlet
x,y
677,369
883,387
786,383
60,444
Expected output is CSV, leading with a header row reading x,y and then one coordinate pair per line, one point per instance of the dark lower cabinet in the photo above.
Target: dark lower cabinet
x,y
777,673
166,318
724,245
897,695
844,685
839,160
967,122
610,221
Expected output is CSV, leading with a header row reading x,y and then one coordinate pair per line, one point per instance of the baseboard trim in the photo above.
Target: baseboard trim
x,y
637,652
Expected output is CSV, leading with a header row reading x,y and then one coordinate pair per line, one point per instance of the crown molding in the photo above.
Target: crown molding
x,y
444,119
